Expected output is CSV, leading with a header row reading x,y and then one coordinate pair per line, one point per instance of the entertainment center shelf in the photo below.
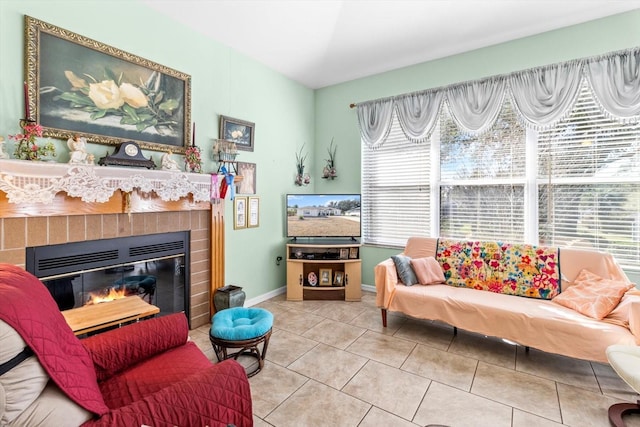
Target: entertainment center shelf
x,y
324,270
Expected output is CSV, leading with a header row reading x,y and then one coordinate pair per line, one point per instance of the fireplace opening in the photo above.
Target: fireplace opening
x,y
153,267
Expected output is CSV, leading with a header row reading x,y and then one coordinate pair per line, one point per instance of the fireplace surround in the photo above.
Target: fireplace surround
x,y
155,267
126,213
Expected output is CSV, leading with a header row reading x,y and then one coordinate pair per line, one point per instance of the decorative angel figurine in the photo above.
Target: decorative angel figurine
x,y
168,164
78,150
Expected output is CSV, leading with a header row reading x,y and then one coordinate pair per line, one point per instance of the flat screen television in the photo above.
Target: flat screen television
x,y
323,216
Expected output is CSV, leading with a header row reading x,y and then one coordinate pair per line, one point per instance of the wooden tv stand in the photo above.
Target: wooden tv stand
x,y
338,261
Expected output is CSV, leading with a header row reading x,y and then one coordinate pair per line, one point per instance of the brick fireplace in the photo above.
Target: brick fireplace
x,y
20,233
125,212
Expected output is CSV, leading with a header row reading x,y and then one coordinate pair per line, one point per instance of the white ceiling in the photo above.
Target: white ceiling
x,y
323,42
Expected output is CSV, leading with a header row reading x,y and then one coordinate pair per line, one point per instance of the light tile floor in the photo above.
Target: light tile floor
x,y
331,363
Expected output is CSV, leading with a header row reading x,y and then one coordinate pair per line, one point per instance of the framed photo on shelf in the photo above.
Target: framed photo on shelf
x,y
344,253
71,87
253,215
239,213
338,279
239,131
353,253
248,183
325,277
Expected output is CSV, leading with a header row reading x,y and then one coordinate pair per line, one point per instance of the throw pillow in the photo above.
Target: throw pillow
x,y
405,272
620,315
427,270
592,295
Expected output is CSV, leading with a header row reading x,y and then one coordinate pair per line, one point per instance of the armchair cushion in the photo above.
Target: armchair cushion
x,y
116,350
28,308
21,385
153,374
216,396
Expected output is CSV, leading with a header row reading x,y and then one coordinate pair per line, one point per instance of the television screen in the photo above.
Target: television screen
x,y
323,215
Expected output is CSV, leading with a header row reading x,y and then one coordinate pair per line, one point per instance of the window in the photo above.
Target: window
x,y
482,180
589,183
577,184
396,199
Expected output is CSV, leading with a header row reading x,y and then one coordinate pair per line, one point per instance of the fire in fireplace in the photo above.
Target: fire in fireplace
x,y
153,267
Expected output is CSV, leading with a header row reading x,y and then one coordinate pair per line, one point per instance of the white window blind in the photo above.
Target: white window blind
x,y
589,183
482,180
579,187
395,190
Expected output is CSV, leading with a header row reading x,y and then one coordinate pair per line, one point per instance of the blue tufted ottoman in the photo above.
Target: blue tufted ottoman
x,y
243,328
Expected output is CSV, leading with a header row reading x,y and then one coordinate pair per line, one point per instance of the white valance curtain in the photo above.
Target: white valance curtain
x,y
541,97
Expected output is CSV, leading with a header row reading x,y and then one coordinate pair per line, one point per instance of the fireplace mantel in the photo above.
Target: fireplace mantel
x,y
40,182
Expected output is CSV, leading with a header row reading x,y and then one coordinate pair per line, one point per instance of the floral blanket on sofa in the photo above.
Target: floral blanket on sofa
x,y
513,269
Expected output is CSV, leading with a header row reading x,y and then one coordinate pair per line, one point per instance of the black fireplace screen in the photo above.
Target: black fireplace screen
x,y
155,267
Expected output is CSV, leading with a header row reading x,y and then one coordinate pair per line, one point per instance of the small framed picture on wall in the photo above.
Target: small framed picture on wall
x,y
253,216
239,213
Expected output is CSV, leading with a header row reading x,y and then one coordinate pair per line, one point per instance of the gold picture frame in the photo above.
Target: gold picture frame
x,y
253,212
239,213
239,131
344,253
248,173
353,253
325,277
64,72
338,278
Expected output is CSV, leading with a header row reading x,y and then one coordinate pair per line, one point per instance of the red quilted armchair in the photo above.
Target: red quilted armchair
x,y
147,373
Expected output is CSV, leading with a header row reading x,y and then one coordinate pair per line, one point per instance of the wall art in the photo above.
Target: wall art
x,y
76,85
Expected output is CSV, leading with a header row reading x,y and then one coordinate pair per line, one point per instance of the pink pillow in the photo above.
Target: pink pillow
x,y
620,315
593,295
427,270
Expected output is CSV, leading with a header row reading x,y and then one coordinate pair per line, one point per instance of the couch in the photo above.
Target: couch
x,y
540,323
147,373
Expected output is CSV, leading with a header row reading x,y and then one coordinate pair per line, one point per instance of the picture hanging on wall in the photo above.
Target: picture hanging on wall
x,y
239,131
248,183
239,213
76,85
253,211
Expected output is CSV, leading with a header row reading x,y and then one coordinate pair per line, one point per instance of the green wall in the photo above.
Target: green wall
x,y
286,114
223,82
335,118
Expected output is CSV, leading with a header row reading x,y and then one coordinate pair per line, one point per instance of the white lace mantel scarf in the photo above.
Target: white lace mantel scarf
x,y
38,182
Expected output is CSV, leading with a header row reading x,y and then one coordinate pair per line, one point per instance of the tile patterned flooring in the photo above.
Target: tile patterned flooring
x,y
331,363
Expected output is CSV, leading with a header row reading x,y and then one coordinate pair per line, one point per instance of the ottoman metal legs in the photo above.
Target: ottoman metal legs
x,y
246,348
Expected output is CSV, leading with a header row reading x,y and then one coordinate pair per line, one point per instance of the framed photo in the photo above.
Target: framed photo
x,y
344,253
76,85
325,277
248,183
338,279
239,213
254,212
353,253
239,131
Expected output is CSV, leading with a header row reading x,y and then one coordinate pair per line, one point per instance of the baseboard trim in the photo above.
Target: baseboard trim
x,y
257,300
261,298
369,288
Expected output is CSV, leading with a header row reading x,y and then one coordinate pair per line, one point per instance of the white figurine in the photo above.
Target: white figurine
x,y
168,164
3,155
78,150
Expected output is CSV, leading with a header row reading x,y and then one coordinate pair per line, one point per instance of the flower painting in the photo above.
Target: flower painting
x,y
78,85
240,132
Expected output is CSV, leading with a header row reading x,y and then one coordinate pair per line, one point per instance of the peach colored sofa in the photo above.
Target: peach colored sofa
x,y
537,323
